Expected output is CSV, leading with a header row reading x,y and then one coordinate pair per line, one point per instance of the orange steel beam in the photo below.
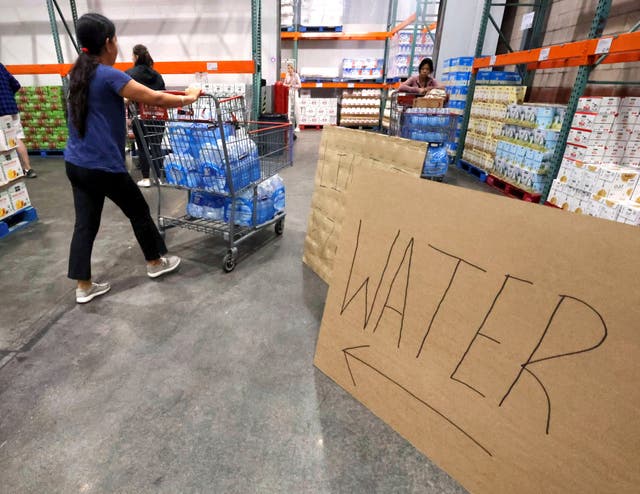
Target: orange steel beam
x,y
410,20
345,85
431,27
624,48
368,36
214,67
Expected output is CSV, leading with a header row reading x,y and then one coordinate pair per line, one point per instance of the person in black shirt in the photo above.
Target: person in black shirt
x,y
143,72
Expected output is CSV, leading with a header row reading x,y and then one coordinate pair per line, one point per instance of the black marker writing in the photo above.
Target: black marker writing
x,y
479,332
444,295
365,284
530,361
408,250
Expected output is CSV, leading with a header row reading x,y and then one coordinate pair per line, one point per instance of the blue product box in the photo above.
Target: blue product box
x,y
459,76
520,153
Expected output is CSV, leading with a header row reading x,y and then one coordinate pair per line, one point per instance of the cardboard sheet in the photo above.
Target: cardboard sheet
x,y
341,152
500,338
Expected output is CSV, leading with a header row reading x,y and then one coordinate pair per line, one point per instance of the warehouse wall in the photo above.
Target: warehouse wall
x,y
173,30
570,20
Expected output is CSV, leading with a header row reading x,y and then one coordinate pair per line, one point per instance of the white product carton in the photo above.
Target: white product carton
x,y
592,207
614,152
6,122
11,169
632,150
589,105
634,134
628,116
6,207
589,178
609,102
583,120
605,118
556,193
8,139
19,196
629,213
616,182
599,137
601,127
577,136
594,153
618,137
576,153
609,210
630,162
631,101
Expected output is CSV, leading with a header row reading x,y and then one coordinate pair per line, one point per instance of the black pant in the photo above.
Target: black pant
x,y
154,131
90,187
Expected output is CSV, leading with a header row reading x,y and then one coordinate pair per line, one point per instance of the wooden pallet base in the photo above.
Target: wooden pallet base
x,y
46,153
511,190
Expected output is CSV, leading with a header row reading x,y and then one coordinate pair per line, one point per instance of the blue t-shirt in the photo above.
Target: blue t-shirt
x,y
102,147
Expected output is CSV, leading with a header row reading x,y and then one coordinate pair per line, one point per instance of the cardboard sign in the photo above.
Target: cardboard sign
x,y
499,337
341,152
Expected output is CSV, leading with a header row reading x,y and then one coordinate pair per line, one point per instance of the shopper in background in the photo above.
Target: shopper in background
x,y
9,86
292,81
142,72
95,158
421,83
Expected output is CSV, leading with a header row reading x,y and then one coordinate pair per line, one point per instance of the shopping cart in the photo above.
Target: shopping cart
x,y
226,164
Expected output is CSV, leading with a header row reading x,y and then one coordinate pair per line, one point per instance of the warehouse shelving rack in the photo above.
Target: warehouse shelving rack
x,y
420,21
252,66
585,54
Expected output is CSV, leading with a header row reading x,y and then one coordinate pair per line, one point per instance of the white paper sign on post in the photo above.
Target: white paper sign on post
x,y
603,46
527,21
544,54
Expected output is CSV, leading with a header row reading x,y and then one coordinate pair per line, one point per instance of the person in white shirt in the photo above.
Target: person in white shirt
x,y
292,81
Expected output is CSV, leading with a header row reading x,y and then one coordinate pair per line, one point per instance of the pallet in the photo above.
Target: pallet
x,y
313,127
320,29
46,153
473,170
511,190
287,29
17,221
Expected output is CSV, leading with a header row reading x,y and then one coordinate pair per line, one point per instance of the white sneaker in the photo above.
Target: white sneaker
x,y
145,182
297,129
97,289
167,265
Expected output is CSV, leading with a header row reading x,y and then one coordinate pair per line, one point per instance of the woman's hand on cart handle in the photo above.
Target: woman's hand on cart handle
x,y
135,91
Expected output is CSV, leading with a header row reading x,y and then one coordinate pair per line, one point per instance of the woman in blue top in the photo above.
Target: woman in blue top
x,y
95,157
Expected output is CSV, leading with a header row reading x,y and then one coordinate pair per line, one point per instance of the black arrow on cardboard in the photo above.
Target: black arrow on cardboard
x,y
348,354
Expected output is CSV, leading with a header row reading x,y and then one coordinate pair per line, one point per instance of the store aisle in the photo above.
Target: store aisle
x,y
200,382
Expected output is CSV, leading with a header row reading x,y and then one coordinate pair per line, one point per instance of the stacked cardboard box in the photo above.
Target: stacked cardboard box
x,y
42,112
360,107
287,13
526,144
400,53
317,111
13,193
600,171
362,68
488,114
317,13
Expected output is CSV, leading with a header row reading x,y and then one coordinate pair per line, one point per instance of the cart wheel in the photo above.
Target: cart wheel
x,y
279,227
228,263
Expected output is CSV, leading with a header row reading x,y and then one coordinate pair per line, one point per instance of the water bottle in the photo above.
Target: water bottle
x,y
175,172
278,194
436,162
195,205
179,138
212,176
243,208
213,207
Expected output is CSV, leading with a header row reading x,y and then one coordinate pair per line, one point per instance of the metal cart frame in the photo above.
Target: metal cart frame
x,y
239,144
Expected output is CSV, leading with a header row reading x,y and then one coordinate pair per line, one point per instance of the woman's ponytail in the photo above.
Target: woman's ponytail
x,y
92,32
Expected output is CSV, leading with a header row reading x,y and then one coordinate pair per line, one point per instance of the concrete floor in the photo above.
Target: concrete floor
x,y
199,382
